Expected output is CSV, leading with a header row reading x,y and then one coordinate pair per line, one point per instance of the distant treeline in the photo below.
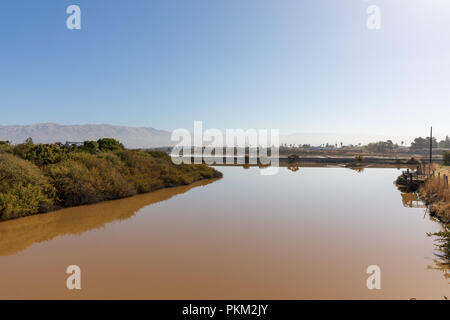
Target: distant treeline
x,y
424,143
375,147
37,178
418,144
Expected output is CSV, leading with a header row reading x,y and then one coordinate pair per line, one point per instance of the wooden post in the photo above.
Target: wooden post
x,y
431,147
410,180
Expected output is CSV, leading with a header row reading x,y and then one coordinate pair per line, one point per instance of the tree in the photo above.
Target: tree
x,y
381,146
445,143
421,143
109,144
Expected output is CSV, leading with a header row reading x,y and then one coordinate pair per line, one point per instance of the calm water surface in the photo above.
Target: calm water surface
x,y
308,234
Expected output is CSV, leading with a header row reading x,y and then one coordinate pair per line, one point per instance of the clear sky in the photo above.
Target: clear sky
x,y
300,66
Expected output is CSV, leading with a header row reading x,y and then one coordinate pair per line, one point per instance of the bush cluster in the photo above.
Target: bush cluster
x,y
24,189
36,178
447,158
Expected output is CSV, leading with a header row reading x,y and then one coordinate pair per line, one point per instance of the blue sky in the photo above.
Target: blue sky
x,y
300,66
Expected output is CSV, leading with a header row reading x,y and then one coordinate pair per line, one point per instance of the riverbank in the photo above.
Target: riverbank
x,y
436,194
19,234
295,160
36,178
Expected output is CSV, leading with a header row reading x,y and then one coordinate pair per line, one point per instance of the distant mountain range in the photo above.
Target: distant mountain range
x,y
148,137
131,137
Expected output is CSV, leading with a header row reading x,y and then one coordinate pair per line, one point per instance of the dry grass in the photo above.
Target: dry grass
x,y
437,194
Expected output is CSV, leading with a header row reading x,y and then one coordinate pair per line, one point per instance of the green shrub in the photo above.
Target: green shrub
x,y
446,158
5,146
75,176
22,149
43,154
84,178
159,154
143,170
90,146
109,144
24,189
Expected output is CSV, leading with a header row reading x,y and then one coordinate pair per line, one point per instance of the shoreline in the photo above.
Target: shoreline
x,y
40,178
57,208
23,232
284,161
435,194
432,189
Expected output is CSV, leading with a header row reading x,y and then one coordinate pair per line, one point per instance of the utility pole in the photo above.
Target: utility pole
x,y
431,150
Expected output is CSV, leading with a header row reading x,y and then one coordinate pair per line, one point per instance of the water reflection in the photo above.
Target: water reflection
x,y
442,254
357,169
304,235
411,200
17,235
442,239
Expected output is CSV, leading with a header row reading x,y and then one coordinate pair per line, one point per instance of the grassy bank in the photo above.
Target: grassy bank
x,y
437,195
36,178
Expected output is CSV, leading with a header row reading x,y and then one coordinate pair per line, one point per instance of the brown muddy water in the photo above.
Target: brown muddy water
x,y
308,234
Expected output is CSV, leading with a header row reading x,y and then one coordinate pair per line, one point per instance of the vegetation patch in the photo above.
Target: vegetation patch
x,y
436,195
24,189
446,156
37,178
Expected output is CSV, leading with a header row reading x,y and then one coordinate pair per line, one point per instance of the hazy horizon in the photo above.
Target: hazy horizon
x,y
153,137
